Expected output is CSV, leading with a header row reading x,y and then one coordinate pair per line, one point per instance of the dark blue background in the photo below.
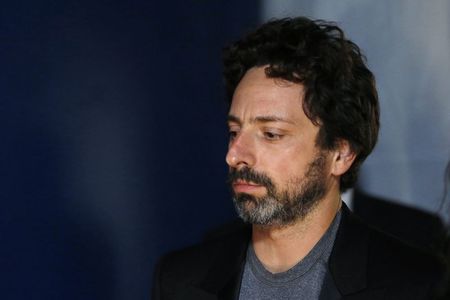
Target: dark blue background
x,y
113,140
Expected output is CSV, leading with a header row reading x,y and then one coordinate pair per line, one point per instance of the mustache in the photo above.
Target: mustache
x,y
247,174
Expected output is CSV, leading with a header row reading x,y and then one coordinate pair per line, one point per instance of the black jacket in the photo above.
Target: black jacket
x,y
365,264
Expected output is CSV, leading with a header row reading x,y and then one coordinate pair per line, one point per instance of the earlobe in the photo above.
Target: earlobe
x,y
343,158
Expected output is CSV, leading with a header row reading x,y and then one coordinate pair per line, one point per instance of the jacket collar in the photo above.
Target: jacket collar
x,y
347,263
348,259
224,277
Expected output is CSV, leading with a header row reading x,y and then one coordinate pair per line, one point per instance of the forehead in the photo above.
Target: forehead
x,y
257,95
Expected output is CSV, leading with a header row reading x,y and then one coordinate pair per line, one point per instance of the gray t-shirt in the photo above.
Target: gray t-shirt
x,y
309,279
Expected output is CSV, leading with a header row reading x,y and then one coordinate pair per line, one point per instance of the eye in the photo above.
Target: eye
x,y
233,131
232,134
272,136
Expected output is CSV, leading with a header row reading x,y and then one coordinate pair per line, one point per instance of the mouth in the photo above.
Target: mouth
x,y
241,186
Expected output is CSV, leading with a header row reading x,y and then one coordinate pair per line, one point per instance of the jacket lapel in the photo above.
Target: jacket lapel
x,y
348,260
224,277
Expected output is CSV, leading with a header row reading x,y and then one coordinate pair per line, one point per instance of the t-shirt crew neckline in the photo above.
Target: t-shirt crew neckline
x,y
320,252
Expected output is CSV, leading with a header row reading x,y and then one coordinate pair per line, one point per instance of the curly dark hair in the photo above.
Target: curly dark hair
x,y
340,93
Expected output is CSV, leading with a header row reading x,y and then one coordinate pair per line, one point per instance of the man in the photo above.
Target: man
x,y
303,116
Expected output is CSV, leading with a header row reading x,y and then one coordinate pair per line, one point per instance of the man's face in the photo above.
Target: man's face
x,y
277,173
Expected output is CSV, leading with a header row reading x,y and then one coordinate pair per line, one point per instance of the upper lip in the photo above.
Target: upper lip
x,y
240,181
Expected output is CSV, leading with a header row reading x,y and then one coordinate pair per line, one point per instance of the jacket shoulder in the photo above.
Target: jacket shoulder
x,y
404,271
391,259
366,259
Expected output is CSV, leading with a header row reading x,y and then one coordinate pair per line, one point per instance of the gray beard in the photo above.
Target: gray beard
x,y
285,207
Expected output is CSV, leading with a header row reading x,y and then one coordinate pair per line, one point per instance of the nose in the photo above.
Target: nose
x,y
241,152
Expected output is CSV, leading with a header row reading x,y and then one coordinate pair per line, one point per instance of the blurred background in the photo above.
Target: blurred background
x,y
112,122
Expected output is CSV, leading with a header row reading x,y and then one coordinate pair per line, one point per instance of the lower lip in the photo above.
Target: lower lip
x,y
246,188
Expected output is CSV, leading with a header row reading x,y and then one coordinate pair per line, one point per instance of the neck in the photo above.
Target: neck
x,y
279,248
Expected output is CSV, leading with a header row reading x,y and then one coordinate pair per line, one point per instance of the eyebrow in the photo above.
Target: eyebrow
x,y
260,119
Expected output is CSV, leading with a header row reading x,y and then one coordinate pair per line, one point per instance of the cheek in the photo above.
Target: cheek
x,y
286,165
288,159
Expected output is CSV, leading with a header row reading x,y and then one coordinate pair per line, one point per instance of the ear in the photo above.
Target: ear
x,y
343,158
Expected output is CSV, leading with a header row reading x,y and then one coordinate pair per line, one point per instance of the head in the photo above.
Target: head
x,y
311,82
